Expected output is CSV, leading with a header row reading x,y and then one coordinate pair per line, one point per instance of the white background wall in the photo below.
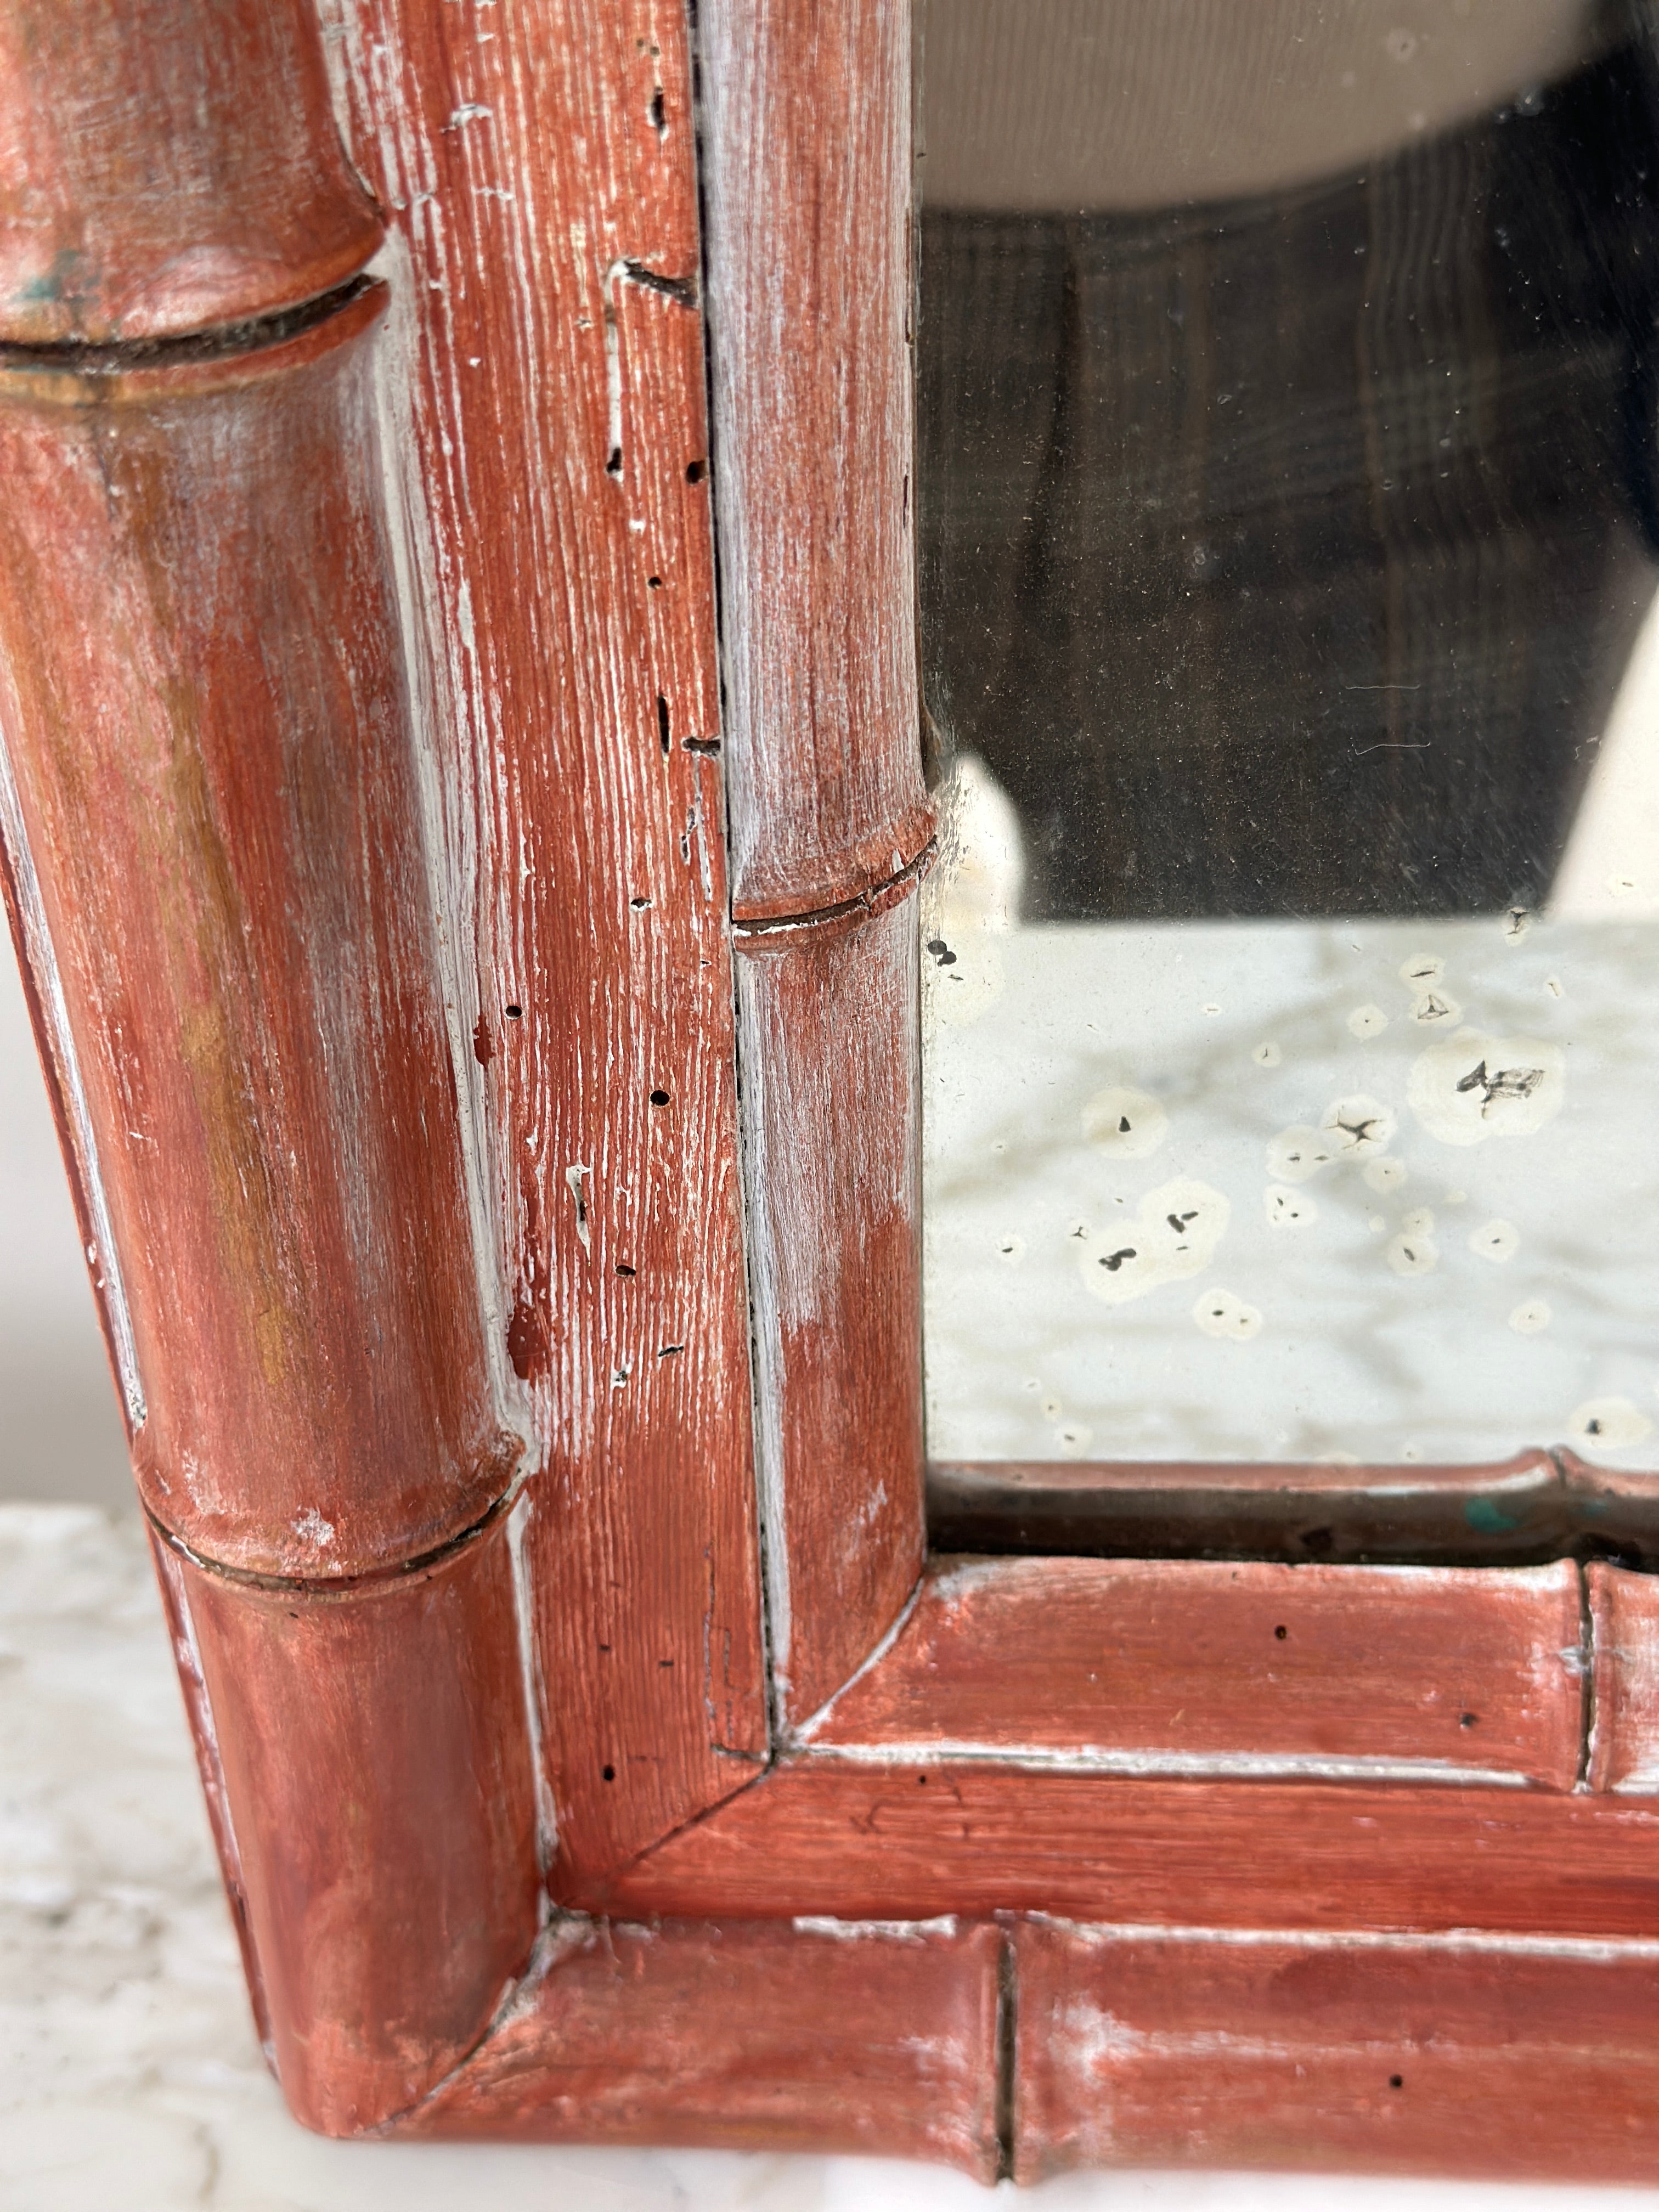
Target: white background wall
x,y
60,1434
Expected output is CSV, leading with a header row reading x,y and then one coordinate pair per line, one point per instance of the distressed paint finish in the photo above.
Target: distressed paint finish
x,y
549,392
1178,1666
544,1073
215,817
1518,1512
168,171
371,1750
1624,1737
220,801
909,1840
1486,2062
829,1026
807,171
210,1766
746,2036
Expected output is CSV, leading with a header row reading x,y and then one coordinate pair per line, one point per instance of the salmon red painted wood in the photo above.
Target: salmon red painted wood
x,y
594,1751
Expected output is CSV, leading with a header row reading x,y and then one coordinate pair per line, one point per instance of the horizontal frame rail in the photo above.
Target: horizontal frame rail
x,y
1024,2045
1192,1668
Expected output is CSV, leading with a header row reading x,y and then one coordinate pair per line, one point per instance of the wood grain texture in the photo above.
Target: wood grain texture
x,y
914,1840
830,1030
167,170
372,1750
547,390
204,706
806,148
537,759
1623,1609
1178,1666
746,2036
1517,1513
1401,2058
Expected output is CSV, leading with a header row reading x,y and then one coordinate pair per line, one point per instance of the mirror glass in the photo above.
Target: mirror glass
x,y
1288,501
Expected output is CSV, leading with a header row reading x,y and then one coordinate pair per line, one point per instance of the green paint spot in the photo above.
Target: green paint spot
x,y
1489,1517
52,283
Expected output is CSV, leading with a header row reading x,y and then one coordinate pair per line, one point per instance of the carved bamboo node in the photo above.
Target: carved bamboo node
x,y
167,177
807,178
773,933
821,890
233,358
216,780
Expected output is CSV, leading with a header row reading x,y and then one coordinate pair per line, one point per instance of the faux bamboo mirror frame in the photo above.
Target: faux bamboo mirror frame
x,y
595,1751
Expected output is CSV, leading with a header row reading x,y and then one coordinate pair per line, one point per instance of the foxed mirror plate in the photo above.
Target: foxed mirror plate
x,y
1288,489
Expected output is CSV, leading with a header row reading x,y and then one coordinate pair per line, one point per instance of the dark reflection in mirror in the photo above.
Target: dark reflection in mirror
x,y
1284,544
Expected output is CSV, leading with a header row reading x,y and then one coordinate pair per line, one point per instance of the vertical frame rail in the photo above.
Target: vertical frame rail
x,y
551,437
215,838
806,141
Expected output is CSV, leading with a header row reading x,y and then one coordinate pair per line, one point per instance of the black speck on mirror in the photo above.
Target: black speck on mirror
x,y
1287,401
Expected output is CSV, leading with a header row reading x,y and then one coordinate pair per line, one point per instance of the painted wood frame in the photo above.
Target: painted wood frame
x,y
486,1062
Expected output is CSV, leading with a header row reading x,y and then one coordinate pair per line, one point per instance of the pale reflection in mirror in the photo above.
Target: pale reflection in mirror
x,y
1288,490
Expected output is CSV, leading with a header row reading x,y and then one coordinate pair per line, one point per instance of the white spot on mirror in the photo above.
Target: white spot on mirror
x,y
1412,1254
1220,1313
1124,1123
1287,1208
1173,1235
1607,1424
1497,1240
1473,1086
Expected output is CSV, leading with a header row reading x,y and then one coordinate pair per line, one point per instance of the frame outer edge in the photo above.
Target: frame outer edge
x,y
216,856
